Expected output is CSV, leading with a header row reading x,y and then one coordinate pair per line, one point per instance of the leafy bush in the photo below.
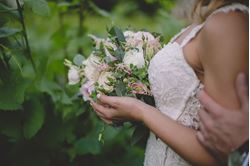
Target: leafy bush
x,y
42,121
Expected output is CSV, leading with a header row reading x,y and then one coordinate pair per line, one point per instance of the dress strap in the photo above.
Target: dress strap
x,y
224,9
178,34
191,34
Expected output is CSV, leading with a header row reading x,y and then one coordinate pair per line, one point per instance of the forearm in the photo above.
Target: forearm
x,y
180,138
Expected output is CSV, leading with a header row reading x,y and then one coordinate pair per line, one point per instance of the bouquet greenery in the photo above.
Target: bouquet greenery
x,y
117,66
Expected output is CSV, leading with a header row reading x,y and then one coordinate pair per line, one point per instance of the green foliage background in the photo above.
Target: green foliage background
x,y
42,120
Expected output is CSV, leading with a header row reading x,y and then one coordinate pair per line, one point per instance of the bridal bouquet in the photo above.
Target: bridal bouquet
x,y
117,65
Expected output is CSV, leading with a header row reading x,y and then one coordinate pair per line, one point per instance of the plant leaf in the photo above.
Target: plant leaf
x,y
78,59
99,11
87,145
119,54
11,11
34,119
120,89
39,7
119,34
12,92
6,32
139,133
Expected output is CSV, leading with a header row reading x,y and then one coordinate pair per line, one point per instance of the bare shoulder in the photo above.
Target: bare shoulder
x,y
223,50
230,26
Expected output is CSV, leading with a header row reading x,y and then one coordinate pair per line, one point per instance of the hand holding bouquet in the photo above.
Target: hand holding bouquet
x,y
117,66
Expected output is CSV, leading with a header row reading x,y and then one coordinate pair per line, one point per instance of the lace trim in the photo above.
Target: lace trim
x,y
228,8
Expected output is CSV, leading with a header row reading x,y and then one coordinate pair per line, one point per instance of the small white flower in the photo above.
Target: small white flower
x,y
128,34
112,58
73,76
138,39
135,57
103,81
91,70
140,35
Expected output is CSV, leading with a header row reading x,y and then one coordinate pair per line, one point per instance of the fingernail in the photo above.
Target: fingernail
x,y
98,95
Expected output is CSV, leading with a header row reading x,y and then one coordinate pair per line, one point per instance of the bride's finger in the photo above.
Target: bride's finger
x,y
108,113
98,113
107,121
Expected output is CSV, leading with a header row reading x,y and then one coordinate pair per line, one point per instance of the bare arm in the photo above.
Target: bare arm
x,y
181,139
224,54
224,130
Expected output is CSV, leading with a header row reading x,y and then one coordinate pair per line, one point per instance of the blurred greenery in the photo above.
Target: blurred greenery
x,y
42,119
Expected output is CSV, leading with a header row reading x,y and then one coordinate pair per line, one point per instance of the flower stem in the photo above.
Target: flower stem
x,y
20,11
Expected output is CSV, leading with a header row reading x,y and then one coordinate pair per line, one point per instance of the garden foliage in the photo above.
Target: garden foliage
x,y
42,121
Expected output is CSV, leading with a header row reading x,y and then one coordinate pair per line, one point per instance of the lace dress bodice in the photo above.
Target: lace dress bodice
x,y
174,85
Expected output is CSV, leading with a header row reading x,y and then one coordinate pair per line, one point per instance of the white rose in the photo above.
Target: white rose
x,y
146,35
135,57
128,34
103,81
73,76
108,54
91,70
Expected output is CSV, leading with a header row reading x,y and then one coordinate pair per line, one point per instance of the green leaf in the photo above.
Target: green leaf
x,y
119,54
59,37
87,145
7,9
146,99
54,90
140,133
63,6
120,89
39,7
99,11
4,8
12,92
78,59
119,34
7,32
34,118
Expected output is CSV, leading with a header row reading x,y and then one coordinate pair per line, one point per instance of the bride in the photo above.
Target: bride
x,y
207,54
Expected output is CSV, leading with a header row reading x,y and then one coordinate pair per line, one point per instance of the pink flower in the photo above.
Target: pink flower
x,y
123,67
86,89
155,44
103,67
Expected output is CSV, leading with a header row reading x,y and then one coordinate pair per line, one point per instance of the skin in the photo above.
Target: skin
x,y
222,129
221,50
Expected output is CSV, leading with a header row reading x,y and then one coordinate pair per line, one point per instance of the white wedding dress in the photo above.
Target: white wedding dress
x,y
174,85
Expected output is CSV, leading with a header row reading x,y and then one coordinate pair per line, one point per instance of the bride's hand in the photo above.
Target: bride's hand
x,y
110,108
